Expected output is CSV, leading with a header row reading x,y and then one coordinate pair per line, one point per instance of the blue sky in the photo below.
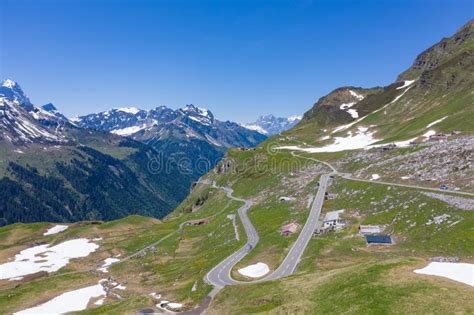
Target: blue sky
x,y
240,59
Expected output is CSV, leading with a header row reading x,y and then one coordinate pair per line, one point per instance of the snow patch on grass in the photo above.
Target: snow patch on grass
x,y
71,301
56,229
436,121
375,176
255,271
99,301
46,258
406,83
107,263
361,139
461,272
166,305
429,133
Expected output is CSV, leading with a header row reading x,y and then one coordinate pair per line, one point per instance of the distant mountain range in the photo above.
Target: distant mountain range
x,y
190,123
107,165
270,125
190,136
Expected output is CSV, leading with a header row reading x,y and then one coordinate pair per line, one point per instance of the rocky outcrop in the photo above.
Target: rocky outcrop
x,y
445,50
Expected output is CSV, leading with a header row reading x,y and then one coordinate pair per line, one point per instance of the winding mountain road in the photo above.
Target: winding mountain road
x,y
291,261
220,275
349,177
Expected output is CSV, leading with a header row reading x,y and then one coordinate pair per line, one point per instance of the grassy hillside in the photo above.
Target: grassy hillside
x,y
337,268
168,257
339,273
385,287
442,89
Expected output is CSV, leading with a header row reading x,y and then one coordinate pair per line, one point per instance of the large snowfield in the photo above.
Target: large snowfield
x,y
71,301
46,258
255,271
462,272
361,139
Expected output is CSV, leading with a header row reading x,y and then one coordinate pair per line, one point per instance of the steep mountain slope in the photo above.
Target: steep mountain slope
x,y
12,91
436,89
50,108
54,171
446,50
19,127
191,136
271,125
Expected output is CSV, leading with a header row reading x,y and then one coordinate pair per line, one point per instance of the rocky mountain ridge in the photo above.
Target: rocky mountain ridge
x,y
432,97
189,122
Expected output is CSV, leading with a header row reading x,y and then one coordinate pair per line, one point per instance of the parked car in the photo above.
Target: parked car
x,y
443,187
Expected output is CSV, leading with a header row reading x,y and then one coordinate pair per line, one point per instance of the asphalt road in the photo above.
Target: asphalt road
x,y
289,264
348,176
220,275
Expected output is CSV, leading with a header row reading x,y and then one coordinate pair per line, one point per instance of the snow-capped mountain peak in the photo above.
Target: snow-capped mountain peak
x,y
19,126
187,123
53,111
131,110
271,125
295,118
192,109
49,107
257,128
198,114
9,84
12,91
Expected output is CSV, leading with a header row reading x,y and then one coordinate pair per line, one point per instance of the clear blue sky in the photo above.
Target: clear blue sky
x,y
240,59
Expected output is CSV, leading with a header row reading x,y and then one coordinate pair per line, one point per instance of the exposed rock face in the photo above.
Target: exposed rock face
x,y
334,108
438,84
190,123
448,162
18,127
441,52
